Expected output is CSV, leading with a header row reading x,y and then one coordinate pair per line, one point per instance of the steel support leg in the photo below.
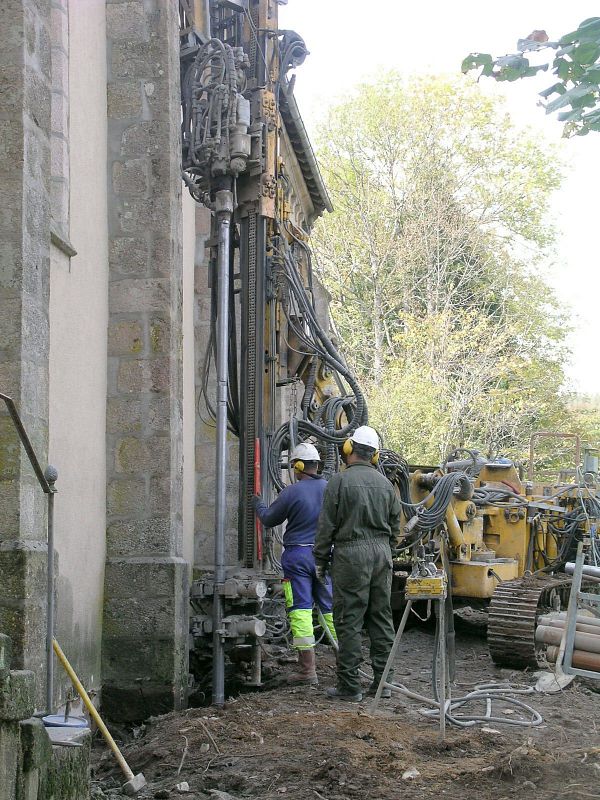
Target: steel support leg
x,y
391,657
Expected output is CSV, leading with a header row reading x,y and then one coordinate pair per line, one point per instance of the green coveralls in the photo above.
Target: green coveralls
x,y
360,518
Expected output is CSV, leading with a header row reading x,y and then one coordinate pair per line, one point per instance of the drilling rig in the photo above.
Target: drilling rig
x,y
279,378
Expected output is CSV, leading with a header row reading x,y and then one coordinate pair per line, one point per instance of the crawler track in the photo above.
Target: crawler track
x,y
513,614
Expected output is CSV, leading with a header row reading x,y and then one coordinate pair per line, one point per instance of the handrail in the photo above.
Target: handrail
x,y
25,441
46,480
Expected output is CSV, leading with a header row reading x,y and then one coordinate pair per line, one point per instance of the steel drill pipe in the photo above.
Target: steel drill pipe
x,y
562,616
581,659
224,210
588,569
582,627
583,641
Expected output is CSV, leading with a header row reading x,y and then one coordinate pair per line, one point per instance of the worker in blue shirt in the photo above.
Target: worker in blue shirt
x,y
300,505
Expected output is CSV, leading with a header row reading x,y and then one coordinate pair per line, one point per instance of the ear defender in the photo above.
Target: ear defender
x,y
347,448
298,466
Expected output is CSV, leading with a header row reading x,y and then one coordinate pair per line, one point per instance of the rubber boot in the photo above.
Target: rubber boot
x,y
343,694
386,693
306,668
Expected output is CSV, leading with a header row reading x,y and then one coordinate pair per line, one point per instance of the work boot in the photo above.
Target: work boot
x,y
385,692
341,694
306,668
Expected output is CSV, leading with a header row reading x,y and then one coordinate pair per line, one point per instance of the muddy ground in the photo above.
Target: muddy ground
x,y
295,743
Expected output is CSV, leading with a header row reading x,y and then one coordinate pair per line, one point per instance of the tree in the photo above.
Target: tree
x,y
576,65
431,256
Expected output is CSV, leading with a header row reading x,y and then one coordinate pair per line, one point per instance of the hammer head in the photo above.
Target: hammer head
x,y
135,784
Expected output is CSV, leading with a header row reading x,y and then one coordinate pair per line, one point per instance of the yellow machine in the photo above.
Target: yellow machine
x,y
505,541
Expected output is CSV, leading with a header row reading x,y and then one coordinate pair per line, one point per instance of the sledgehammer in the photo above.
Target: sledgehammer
x,y
134,782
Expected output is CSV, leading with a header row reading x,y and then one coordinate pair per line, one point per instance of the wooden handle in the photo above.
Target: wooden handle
x,y
92,709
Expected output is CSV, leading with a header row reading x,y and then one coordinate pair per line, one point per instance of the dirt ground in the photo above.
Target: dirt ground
x,y
295,743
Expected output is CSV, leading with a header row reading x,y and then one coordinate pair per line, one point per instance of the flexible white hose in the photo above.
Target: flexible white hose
x,y
487,692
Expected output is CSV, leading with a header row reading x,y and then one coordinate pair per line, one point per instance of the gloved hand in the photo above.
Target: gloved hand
x,y
321,571
256,499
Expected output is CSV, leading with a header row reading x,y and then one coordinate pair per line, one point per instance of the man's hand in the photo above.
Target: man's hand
x,y
321,571
256,499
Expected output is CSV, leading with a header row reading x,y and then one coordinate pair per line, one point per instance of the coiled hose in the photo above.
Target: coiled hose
x,y
484,692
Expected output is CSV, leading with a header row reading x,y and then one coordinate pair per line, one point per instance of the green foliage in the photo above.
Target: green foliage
x,y
431,258
576,64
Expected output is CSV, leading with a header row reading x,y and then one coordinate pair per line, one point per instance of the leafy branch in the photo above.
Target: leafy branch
x,y
576,65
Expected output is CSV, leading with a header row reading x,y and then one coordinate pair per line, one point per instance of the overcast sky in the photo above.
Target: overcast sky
x,y
349,40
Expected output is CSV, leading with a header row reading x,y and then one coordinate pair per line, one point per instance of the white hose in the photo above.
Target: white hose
x,y
487,692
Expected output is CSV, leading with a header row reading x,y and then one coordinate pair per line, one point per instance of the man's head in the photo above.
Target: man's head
x,y
362,446
305,459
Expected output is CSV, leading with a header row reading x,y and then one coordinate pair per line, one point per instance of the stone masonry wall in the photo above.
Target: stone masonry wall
x,y
30,768
146,585
24,292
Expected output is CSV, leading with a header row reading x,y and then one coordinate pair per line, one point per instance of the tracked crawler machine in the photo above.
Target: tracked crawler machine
x,y
505,541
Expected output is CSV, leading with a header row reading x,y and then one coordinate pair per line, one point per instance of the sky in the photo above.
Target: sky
x,y
350,40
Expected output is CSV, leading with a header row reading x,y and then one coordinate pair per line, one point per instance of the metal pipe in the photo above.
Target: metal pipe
x,y
562,615
583,641
587,569
224,210
390,661
561,624
51,476
25,441
582,659
441,621
46,480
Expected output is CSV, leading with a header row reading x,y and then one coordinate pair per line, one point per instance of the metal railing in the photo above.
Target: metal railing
x,y
46,479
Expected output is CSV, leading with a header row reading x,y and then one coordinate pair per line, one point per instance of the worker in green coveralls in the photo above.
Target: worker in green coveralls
x,y
360,519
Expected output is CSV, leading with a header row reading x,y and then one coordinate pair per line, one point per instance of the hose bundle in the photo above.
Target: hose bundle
x,y
323,425
429,518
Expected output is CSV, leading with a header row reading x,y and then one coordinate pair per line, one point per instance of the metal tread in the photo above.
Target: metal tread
x,y
513,613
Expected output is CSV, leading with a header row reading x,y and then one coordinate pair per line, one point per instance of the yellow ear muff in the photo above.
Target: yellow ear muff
x,y
347,447
375,458
298,466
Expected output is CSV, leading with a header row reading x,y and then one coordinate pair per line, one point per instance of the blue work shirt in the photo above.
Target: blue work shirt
x,y
300,503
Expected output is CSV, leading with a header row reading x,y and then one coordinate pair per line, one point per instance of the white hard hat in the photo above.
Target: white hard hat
x,y
367,436
305,452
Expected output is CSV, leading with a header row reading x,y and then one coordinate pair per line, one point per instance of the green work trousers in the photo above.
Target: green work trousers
x,y
362,582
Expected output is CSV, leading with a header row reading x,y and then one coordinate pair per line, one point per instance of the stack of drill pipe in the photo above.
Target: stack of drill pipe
x,y
586,652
